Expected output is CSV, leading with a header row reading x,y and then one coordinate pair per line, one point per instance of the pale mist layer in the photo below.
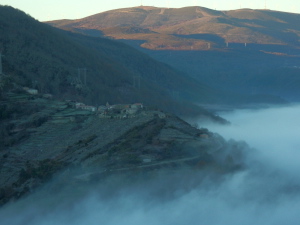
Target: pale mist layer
x,y
267,192
274,132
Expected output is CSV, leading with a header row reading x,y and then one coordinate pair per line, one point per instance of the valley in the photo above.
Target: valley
x,y
149,115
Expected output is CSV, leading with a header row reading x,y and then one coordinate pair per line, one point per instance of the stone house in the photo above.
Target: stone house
x,y
89,108
131,111
79,105
137,106
31,91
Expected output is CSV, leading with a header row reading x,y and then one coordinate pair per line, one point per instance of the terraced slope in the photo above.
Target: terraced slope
x,y
55,137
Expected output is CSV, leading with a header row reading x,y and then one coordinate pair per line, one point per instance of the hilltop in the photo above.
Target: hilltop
x,y
191,28
244,51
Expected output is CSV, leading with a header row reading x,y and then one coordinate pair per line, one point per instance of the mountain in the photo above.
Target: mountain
x,y
43,134
96,70
49,144
191,27
245,51
53,61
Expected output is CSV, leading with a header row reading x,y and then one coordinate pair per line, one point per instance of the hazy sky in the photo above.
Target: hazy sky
x,y
69,9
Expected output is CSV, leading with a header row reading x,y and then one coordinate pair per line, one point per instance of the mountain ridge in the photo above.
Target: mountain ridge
x,y
234,26
245,51
97,70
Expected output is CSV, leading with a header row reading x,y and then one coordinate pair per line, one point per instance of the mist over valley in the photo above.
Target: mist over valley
x,y
267,185
93,126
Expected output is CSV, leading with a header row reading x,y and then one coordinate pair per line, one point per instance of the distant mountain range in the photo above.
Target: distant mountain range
x,y
192,27
244,51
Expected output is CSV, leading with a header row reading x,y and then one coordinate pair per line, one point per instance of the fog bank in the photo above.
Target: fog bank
x,y
274,132
267,192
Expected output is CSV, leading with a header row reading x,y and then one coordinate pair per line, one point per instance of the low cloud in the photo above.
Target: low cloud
x,y
266,192
274,132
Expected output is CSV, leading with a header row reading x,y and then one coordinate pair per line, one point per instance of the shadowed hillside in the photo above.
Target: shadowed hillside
x,y
244,51
54,61
96,70
255,69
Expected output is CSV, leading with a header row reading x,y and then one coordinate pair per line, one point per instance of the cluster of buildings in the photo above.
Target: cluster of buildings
x,y
30,90
104,111
79,105
33,91
112,111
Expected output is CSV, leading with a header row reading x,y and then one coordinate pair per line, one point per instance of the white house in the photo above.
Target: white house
x,y
31,91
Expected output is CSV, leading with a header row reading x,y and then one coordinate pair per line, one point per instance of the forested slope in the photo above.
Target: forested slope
x,y
42,57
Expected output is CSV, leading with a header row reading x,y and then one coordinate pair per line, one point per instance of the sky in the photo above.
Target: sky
x,y
44,10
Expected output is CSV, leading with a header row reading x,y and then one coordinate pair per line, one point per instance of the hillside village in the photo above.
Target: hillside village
x,y
119,111
116,111
112,111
